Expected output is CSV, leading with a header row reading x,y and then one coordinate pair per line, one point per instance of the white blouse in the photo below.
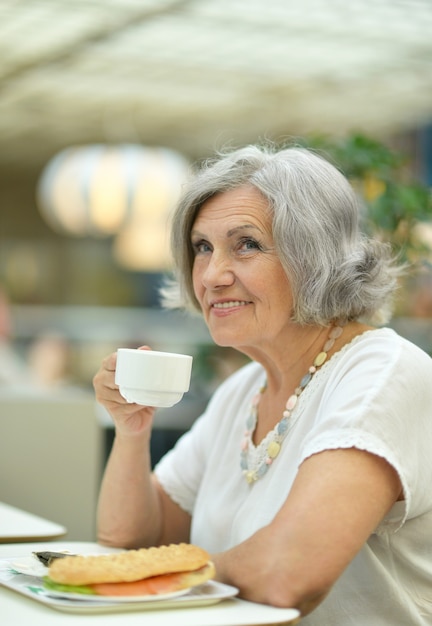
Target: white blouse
x,y
376,395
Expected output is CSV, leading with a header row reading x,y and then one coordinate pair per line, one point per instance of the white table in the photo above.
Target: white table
x,y
19,610
18,525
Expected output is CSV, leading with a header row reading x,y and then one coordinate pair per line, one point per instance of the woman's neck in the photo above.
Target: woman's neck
x,y
286,368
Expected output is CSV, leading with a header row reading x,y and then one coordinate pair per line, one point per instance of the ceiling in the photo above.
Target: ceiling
x,y
198,74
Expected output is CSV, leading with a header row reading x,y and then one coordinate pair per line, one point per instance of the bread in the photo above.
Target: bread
x,y
128,566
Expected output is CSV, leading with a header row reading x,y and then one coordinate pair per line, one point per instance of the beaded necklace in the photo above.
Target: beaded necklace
x,y
281,429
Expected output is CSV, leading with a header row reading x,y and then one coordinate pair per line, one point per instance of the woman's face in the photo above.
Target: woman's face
x,y
243,291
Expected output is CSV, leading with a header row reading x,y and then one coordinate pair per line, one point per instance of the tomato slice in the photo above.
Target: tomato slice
x,y
165,583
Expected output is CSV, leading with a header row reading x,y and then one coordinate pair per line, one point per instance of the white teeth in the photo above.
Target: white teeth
x,y
227,305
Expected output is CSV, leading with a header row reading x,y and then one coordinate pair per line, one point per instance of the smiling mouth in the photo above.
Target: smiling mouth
x,y
229,305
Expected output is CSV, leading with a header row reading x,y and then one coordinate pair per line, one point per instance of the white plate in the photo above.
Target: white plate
x,y
15,574
31,566
84,597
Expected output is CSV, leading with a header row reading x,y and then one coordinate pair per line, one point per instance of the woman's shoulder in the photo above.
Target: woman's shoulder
x,y
386,341
249,374
239,385
381,360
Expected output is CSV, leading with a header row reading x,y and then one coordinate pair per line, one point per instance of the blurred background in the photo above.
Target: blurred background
x,y
106,106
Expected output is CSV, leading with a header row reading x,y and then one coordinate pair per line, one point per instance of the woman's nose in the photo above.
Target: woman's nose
x,y
219,272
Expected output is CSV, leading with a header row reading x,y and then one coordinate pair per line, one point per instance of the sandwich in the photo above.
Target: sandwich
x,y
148,571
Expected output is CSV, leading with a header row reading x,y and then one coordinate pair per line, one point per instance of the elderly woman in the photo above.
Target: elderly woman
x,y
309,475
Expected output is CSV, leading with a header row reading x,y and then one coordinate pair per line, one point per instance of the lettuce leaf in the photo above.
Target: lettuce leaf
x,y
50,584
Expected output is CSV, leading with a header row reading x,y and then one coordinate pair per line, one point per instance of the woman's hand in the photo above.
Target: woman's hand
x,y
130,419
133,509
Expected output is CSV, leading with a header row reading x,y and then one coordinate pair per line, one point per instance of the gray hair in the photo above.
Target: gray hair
x,y
336,272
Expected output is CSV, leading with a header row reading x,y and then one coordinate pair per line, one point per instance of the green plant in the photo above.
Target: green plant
x,y
396,202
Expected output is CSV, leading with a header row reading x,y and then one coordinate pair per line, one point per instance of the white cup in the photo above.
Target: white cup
x,y
152,378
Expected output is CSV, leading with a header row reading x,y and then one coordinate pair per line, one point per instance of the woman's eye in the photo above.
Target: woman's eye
x,y
200,247
250,244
